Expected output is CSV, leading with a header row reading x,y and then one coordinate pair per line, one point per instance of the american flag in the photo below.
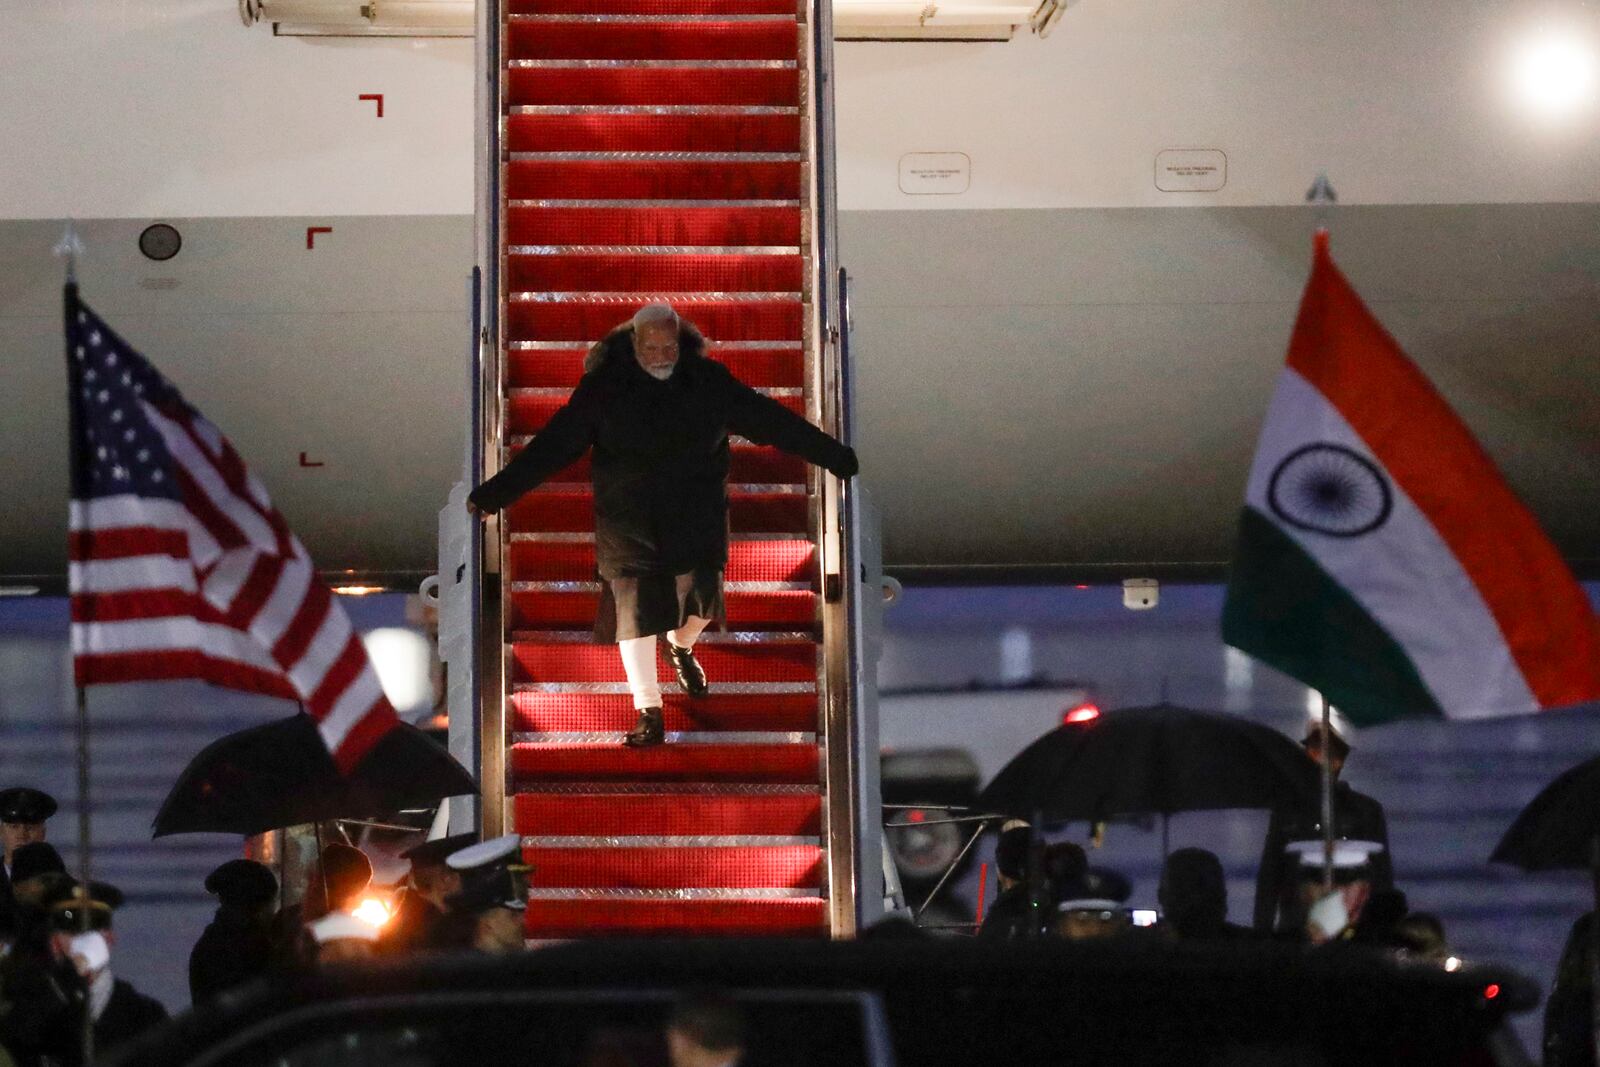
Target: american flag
x,y
179,565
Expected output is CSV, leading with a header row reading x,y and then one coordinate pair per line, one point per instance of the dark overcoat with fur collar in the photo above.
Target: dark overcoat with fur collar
x,y
660,463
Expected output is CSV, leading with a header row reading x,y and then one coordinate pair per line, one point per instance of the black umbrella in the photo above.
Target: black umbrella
x,y
281,774
1560,830
1156,760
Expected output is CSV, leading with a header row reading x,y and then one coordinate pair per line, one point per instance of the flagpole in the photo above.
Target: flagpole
x,y
1327,795
68,248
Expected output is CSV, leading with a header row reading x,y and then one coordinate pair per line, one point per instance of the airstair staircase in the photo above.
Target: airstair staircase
x,y
677,150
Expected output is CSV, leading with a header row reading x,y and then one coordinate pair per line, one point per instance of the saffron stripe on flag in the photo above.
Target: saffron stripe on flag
x,y
1347,355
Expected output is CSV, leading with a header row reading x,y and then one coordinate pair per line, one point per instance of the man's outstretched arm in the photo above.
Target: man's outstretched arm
x,y
767,422
565,438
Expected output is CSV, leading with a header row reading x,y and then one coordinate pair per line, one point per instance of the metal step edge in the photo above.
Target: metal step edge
x,y
652,109
647,790
690,20
588,538
657,64
654,250
532,204
655,157
711,346
710,637
673,737
561,391
666,841
630,299
727,587
745,488
763,893
733,688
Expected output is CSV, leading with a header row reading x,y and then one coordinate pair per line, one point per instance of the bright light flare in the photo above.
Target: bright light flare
x,y
372,911
1452,963
357,590
1081,714
1555,73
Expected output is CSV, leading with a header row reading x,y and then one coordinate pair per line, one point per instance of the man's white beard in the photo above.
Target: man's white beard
x,y
661,374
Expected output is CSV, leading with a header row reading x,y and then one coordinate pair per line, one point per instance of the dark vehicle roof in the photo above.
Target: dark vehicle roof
x,y
952,1001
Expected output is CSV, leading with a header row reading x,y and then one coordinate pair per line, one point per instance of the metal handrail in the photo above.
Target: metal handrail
x,y
488,542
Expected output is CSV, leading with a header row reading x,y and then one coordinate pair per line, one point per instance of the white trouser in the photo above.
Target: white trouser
x,y
639,660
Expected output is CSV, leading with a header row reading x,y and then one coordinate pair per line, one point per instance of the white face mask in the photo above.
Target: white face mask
x,y
90,952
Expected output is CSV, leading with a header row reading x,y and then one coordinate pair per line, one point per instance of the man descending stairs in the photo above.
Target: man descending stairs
x,y
655,152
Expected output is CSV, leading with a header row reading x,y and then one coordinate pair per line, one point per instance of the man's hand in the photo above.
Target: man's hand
x,y
476,512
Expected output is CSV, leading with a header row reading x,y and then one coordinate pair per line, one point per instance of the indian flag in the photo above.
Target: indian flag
x,y
1381,558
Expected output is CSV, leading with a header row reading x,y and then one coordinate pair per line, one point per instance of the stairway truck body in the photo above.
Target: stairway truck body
x,y
630,151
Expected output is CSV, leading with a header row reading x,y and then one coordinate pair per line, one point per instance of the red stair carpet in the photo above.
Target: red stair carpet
x,y
654,150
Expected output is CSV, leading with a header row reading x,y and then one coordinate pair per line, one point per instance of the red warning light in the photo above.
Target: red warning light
x,y
916,815
1080,714
1491,991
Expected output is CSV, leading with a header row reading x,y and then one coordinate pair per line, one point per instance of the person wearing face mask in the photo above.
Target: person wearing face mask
x,y
657,413
74,972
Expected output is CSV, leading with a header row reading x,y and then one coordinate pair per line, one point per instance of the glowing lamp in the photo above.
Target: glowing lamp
x,y
371,910
1491,991
1081,714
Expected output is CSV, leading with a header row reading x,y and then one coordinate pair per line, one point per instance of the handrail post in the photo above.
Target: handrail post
x,y
488,543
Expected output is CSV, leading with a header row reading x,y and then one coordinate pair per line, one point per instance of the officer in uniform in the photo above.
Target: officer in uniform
x,y
418,920
237,945
23,812
487,913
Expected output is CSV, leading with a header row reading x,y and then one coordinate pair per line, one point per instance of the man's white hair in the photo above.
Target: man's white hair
x,y
655,315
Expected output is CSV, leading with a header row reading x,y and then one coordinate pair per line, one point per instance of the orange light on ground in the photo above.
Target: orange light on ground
x,y
1081,714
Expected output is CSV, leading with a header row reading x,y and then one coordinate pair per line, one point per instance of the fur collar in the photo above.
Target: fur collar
x,y
618,345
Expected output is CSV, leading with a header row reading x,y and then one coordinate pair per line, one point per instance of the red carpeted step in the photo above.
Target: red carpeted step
x,y
747,464
621,272
558,38
575,712
746,867
544,609
799,916
653,133
573,512
651,7
748,561
528,410
578,86
724,227
611,762
668,814
565,661
651,180
756,367
583,321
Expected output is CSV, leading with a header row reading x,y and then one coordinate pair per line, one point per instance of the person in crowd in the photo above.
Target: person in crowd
x,y
1356,817
23,813
1018,910
338,880
1064,865
706,1030
657,413
487,913
419,915
34,868
237,945
1094,906
1421,934
339,937
1569,1012
1332,914
76,975
1194,898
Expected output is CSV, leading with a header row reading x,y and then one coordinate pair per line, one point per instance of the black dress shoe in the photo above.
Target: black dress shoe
x,y
648,732
690,676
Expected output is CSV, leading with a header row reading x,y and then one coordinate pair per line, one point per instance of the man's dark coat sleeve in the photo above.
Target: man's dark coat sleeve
x,y
767,422
1270,874
564,439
